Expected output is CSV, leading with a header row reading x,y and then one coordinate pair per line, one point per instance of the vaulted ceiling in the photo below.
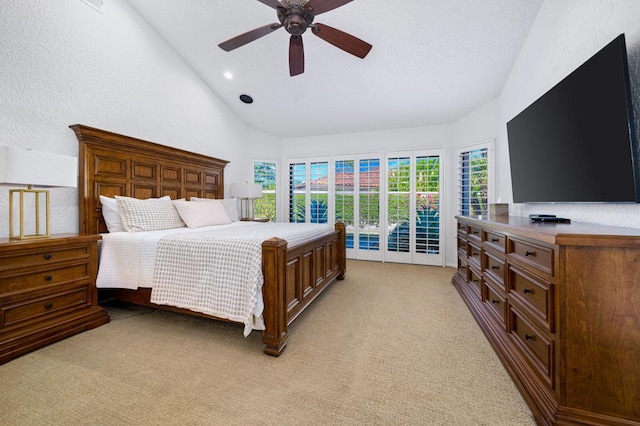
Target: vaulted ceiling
x,y
432,62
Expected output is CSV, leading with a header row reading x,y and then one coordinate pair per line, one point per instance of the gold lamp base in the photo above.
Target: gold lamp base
x,y
23,194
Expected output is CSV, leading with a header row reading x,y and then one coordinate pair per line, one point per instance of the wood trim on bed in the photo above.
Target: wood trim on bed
x,y
112,164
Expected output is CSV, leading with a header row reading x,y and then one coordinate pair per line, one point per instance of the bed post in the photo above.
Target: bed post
x,y
274,268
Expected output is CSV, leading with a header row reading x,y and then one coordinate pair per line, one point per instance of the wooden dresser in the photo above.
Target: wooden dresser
x,y
47,291
560,304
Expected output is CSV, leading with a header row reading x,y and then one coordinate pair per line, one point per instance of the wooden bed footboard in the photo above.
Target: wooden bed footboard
x,y
294,277
112,164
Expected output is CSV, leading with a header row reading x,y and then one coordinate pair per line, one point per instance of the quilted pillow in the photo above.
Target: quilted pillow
x,y
152,214
111,215
203,213
230,206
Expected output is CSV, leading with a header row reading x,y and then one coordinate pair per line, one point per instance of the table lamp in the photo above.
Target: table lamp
x,y
20,166
246,192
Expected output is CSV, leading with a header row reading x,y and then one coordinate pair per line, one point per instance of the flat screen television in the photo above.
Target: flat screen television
x,y
576,143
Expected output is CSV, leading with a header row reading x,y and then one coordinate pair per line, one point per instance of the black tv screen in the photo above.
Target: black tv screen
x,y
576,142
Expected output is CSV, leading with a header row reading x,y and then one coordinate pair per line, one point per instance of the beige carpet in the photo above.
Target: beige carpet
x,y
390,345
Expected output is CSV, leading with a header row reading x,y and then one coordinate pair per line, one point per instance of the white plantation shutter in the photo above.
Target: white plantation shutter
x,y
473,180
297,192
319,192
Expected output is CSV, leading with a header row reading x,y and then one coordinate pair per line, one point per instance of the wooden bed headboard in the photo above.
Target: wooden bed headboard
x,y
112,164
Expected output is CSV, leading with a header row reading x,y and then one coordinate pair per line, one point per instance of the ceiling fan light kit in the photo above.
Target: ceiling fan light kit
x,y
295,17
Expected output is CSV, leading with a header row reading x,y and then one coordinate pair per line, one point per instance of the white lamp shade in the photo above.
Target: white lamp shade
x,y
21,166
246,190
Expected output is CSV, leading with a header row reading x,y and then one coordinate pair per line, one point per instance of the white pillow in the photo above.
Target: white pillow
x,y
202,213
148,215
111,215
230,206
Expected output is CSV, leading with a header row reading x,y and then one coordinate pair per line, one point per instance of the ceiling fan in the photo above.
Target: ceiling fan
x,y
295,17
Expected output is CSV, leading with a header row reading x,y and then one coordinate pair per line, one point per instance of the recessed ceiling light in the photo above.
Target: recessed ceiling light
x,y
228,75
246,99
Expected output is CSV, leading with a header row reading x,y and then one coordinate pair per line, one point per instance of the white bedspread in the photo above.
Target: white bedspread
x,y
215,270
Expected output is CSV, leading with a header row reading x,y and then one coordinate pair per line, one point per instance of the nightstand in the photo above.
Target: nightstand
x,y
256,219
47,291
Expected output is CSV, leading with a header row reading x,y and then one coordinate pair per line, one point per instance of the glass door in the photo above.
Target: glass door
x,y
413,223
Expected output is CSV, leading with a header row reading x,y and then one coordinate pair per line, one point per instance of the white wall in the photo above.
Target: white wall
x,y
479,126
565,34
62,63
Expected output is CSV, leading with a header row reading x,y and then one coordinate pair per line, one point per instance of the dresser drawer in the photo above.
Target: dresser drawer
x,y
43,305
533,294
538,257
463,247
475,232
494,266
43,257
495,241
495,303
475,281
463,229
34,279
537,348
462,267
475,252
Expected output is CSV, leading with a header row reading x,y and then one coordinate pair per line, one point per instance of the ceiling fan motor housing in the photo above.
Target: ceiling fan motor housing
x,y
296,19
296,16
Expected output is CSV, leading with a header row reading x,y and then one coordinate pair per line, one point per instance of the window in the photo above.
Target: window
x,y
473,180
309,183
413,220
265,173
390,205
369,227
344,191
297,192
319,192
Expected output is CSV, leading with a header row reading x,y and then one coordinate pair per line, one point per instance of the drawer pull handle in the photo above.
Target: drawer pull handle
x,y
475,232
529,337
495,302
475,253
48,256
495,267
48,277
48,305
529,253
526,290
494,240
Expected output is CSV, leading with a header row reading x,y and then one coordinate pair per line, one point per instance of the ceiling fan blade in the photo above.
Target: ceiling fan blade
x,y
296,56
248,37
273,3
322,6
342,40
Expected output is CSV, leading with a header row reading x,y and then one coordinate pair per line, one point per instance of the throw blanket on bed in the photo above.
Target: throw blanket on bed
x,y
217,272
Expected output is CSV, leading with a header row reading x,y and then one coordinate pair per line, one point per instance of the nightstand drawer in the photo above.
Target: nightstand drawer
x,y
30,280
43,305
45,257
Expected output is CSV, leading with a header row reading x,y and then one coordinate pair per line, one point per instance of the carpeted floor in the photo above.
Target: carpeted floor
x,y
390,345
